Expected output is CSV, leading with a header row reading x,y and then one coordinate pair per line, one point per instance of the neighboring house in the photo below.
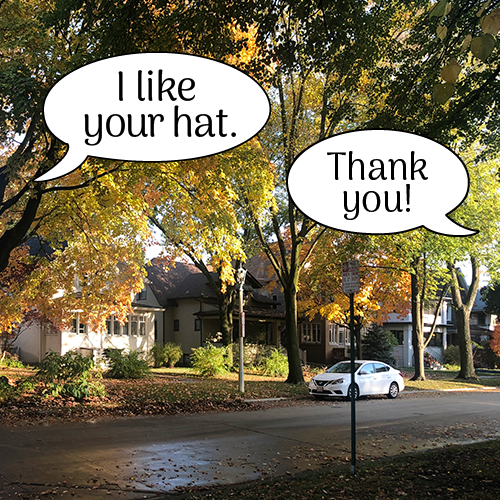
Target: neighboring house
x,y
402,330
190,315
38,338
322,341
481,323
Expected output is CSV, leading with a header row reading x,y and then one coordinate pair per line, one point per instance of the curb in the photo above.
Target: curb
x,y
493,388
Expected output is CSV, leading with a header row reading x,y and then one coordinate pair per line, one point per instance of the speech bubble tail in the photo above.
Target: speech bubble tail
x,y
69,163
450,228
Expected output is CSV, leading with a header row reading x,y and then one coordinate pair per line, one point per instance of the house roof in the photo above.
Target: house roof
x,y
182,280
186,281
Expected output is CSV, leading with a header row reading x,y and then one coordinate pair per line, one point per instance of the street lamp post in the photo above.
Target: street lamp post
x,y
241,272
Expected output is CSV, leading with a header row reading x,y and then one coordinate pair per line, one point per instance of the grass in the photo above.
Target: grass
x,y
446,380
456,472
181,390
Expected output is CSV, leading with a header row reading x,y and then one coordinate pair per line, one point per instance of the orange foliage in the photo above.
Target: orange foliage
x,y
494,341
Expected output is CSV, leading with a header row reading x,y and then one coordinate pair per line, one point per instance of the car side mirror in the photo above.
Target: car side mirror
x,y
362,373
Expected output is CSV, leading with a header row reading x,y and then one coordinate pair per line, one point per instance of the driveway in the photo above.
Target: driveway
x,y
148,456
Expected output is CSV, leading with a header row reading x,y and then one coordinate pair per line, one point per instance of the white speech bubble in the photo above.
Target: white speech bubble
x,y
380,182
153,107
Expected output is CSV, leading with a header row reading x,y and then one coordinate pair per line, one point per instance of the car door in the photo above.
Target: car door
x,y
366,379
383,377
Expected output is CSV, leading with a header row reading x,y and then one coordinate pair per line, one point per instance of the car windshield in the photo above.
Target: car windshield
x,y
343,367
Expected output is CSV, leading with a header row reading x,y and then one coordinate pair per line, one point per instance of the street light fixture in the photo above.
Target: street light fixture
x,y
240,276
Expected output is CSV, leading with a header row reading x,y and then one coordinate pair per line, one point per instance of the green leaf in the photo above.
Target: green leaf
x,y
483,46
443,92
439,9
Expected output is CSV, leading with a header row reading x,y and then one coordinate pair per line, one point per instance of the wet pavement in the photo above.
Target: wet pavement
x,y
150,457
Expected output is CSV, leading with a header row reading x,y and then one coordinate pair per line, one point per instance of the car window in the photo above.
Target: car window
x,y
381,368
368,369
343,367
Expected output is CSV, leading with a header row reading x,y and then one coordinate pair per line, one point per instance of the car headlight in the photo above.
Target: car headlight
x,y
337,381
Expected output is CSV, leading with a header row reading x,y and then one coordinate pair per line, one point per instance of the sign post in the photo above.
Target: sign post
x,y
351,285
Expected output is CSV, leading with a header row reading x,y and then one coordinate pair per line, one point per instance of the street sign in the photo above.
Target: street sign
x,y
351,277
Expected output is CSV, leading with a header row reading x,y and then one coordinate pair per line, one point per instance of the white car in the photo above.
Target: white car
x,y
371,378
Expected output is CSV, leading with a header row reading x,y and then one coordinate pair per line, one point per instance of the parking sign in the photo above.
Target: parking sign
x,y
351,277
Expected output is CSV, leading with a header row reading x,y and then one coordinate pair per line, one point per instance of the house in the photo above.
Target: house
x,y
322,341
190,315
38,337
401,327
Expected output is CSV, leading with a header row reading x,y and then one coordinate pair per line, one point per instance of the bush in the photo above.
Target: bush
x,y
210,360
167,355
9,360
7,392
276,364
451,356
68,375
126,365
378,344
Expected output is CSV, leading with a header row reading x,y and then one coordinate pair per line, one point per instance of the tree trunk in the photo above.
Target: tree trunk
x,y
295,370
226,303
417,328
465,351
463,311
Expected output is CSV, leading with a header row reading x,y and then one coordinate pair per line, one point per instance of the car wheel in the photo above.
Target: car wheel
x,y
357,392
393,392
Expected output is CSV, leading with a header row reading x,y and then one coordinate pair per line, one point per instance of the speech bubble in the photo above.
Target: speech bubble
x,y
153,107
380,182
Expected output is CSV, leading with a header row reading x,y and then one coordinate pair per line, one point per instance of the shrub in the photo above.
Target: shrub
x,y
126,365
7,392
68,375
275,364
210,360
167,355
451,356
9,360
378,344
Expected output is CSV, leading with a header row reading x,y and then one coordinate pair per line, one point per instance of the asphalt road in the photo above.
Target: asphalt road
x,y
144,457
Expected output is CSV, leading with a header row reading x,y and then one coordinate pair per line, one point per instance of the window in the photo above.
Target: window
x,y
436,340
125,329
381,368
400,337
176,325
367,369
77,327
333,334
198,324
142,326
310,333
141,296
133,325
116,327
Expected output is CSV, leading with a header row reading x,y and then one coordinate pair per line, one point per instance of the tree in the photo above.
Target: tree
x,y
321,57
490,294
481,210
378,344
384,288
200,215
494,341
